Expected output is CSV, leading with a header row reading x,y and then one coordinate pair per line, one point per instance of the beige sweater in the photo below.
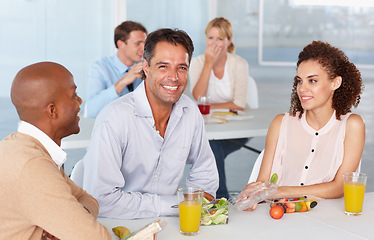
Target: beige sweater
x,y
36,195
238,73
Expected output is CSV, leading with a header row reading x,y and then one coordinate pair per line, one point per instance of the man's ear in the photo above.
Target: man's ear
x,y
337,82
52,110
120,43
145,67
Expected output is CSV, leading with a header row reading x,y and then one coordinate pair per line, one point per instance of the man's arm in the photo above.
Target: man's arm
x,y
47,200
101,90
203,171
87,200
105,181
129,78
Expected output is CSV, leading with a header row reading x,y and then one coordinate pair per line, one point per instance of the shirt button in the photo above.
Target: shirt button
x,y
302,184
312,150
316,133
306,167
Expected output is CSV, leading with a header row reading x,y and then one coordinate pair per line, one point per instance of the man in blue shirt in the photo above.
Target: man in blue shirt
x,y
112,77
142,141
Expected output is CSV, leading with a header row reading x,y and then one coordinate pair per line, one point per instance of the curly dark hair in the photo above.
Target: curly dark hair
x,y
335,63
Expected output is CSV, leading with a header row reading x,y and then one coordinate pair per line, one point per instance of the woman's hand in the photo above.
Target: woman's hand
x,y
250,189
247,192
211,53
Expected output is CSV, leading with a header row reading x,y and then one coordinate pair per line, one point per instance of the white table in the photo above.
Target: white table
x,y
255,126
326,221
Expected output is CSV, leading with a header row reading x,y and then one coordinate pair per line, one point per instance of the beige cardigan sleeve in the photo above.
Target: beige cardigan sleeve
x,y
196,67
239,78
54,203
87,200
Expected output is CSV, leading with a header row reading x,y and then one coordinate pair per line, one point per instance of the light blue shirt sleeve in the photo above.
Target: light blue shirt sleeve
x,y
101,79
132,171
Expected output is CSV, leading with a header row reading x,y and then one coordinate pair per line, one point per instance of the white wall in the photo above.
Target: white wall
x,y
72,33
76,33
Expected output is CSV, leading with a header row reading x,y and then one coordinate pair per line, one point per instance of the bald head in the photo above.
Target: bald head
x,y
35,86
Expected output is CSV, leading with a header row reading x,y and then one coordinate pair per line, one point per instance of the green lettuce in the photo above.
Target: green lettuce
x,y
214,213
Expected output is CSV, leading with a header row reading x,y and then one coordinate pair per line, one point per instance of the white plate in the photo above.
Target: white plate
x,y
219,120
226,114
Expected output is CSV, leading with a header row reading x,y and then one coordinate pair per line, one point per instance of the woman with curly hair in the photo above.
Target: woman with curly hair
x,y
319,139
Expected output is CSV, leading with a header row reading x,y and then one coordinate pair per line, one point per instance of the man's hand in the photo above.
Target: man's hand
x,y
134,73
208,196
48,236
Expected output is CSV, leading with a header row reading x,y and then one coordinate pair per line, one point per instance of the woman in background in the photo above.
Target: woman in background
x,y
223,77
319,139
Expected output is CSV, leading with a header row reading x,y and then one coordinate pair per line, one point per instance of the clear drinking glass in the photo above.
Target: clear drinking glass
x,y
204,105
190,204
354,192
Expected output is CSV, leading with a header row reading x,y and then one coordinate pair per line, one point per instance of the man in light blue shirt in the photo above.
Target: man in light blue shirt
x,y
115,76
142,141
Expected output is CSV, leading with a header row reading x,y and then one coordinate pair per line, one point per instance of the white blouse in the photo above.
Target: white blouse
x,y
219,90
305,156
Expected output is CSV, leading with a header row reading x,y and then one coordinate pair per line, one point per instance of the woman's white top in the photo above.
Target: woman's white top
x,y
305,156
219,90
237,70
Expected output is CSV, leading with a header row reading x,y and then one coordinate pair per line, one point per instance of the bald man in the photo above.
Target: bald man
x,y
37,199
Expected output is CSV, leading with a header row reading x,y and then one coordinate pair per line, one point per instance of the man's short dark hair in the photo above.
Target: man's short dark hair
x,y
122,31
173,36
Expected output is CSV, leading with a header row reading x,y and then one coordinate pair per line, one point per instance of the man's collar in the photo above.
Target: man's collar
x,y
56,153
141,104
120,65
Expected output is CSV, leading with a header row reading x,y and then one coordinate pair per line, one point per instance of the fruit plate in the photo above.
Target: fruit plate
x,y
296,204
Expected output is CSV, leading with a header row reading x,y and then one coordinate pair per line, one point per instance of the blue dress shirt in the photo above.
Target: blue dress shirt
x,y
132,171
101,79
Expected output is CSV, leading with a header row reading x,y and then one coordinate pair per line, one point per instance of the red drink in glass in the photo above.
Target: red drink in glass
x,y
204,108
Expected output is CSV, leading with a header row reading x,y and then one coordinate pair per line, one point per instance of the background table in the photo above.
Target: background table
x,y
326,221
82,139
255,126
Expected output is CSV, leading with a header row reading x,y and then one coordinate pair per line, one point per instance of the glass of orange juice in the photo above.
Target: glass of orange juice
x,y
354,191
190,204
